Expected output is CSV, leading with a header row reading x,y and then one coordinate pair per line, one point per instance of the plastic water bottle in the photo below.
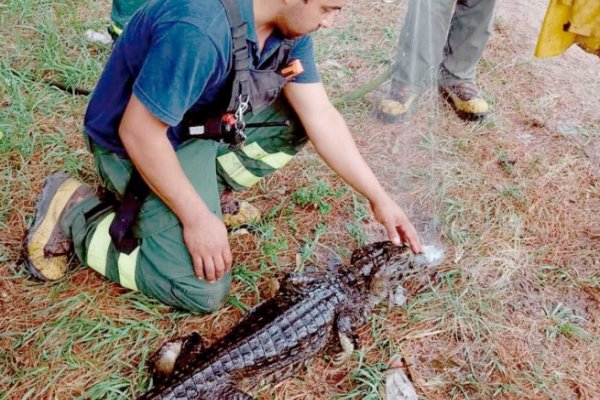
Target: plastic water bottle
x,y
431,256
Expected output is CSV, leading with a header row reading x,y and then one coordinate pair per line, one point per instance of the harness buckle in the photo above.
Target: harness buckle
x,y
240,124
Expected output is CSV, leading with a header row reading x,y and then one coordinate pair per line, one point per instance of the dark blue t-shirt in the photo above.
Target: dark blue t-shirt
x,y
176,55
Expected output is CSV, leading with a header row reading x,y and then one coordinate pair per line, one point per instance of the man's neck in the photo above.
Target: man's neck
x,y
265,13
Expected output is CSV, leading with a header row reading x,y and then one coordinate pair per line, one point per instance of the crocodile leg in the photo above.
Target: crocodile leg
x,y
173,354
347,350
192,347
334,265
397,297
348,339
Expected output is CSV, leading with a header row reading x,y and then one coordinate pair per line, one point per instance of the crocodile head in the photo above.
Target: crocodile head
x,y
383,266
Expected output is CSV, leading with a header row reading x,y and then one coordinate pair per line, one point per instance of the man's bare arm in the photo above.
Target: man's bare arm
x,y
145,139
331,138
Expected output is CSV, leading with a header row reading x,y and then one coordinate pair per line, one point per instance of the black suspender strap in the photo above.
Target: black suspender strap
x,y
137,190
120,229
241,57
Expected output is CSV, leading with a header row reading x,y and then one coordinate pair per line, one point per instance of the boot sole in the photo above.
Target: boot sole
x,y
388,118
465,116
46,200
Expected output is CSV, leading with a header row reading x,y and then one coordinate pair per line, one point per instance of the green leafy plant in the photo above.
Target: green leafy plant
x,y
564,322
317,196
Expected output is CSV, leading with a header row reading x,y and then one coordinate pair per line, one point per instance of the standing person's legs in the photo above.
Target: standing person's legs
x,y
421,42
470,30
419,53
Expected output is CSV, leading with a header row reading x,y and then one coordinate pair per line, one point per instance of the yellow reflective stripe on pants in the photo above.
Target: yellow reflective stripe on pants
x,y
274,160
127,264
97,253
116,29
234,168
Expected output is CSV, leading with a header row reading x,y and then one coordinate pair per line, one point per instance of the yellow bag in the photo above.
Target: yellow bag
x,y
568,22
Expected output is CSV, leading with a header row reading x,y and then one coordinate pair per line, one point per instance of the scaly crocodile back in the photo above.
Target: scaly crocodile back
x,y
279,334
273,338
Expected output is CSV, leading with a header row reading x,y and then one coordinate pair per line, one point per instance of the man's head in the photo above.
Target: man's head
x,y
301,17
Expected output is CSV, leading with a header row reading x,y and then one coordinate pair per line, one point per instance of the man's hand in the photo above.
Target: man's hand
x,y
145,139
397,225
206,240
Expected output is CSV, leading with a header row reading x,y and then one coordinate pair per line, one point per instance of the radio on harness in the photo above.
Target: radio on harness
x,y
230,127
225,128
222,128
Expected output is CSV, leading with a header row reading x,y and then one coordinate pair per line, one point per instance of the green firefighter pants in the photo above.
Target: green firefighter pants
x,y
446,34
161,266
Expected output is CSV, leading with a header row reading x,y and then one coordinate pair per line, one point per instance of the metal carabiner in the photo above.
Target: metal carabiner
x,y
240,124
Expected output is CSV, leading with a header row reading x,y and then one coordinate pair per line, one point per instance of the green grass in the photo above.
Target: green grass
x,y
563,321
368,380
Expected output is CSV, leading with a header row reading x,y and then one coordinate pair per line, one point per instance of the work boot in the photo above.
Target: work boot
x,y
237,213
398,105
465,100
47,248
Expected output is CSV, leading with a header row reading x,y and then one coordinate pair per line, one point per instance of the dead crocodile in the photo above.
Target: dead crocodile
x,y
274,338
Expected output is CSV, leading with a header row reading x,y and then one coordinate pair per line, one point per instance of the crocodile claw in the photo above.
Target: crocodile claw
x,y
347,350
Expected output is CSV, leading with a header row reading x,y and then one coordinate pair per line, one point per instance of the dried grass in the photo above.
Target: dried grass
x,y
514,313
